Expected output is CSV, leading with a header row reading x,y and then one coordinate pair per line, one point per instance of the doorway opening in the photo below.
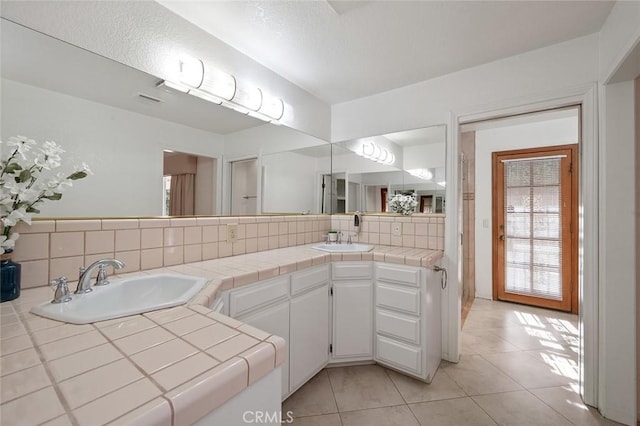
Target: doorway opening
x,y
189,184
244,187
479,141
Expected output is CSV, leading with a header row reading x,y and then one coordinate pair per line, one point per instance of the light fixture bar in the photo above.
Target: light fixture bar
x,y
213,85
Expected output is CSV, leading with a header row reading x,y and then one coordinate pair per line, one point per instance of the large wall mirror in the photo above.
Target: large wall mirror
x,y
136,137
148,146
367,172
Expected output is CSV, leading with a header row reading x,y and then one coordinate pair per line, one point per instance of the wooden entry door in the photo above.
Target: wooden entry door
x,y
535,227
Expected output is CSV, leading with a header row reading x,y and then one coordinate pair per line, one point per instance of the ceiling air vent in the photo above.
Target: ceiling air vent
x,y
149,98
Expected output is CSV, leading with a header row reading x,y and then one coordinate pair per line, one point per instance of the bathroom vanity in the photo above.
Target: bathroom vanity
x,y
192,365
343,312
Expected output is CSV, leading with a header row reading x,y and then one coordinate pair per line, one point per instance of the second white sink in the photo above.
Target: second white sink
x,y
123,297
343,247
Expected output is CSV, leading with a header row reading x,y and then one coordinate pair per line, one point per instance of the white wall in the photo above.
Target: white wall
x,y
537,73
547,133
290,183
148,37
268,139
123,149
617,254
618,36
206,188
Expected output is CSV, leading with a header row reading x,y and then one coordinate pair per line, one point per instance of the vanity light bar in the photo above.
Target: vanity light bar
x,y
191,71
376,153
223,89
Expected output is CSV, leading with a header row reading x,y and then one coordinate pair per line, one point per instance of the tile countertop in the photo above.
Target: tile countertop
x,y
165,367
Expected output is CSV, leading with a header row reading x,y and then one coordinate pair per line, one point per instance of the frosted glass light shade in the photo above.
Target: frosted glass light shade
x,y
271,106
376,153
248,96
218,83
191,71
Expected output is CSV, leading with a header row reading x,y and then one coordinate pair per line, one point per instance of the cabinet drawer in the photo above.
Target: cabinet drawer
x,y
350,271
397,325
261,294
399,355
399,298
309,278
398,274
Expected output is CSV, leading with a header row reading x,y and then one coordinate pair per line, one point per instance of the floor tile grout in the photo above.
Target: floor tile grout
x,y
500,317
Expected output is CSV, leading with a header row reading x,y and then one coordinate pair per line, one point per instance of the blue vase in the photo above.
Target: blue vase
x,y
9,278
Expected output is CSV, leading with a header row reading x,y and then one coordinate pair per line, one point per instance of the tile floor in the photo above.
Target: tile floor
x,y
519,366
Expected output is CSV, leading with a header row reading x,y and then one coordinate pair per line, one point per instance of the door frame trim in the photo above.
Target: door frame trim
x,y
585,95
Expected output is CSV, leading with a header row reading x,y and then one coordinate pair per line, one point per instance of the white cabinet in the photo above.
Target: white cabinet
x,y
309,332
407,319
377,311
352,320
352,328
274,319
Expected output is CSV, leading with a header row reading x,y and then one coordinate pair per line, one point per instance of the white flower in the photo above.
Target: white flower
x,y
8,243
22,144
404,204
16,216
22,187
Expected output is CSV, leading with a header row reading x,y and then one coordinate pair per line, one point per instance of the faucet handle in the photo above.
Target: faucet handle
x,y
101,279
62,290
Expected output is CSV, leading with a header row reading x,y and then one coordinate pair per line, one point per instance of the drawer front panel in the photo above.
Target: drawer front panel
x,y
309,278
398,325
350,271
402,299
262,294
399,355
398,274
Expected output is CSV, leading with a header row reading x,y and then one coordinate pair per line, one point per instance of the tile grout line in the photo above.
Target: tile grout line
x,y
333,394
54,384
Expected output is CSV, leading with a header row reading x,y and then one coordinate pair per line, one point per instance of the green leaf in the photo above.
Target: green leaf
x,y
55,196
12,168
24,176
77,175
32,210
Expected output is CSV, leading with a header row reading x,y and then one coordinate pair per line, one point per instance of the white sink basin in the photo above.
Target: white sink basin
x,y
343,247
123,297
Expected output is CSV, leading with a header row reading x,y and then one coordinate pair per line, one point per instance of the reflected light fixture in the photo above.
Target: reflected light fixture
x,y
421,173
443,183
376,153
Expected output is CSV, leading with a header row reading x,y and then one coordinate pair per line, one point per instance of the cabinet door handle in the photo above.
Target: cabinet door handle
x,y
502,238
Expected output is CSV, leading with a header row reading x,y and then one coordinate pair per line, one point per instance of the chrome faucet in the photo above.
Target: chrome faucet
x,y
84,282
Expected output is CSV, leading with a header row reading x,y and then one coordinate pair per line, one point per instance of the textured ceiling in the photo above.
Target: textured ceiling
x,y
344,50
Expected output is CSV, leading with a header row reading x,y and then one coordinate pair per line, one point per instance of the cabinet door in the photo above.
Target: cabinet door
x,y
274,320
352,320
309,338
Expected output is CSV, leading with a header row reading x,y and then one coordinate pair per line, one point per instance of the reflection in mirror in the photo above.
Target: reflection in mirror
x,y
292,181
369,171
189,184
117,120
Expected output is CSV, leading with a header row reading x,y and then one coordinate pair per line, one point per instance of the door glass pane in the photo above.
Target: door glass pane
x,y
533,246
